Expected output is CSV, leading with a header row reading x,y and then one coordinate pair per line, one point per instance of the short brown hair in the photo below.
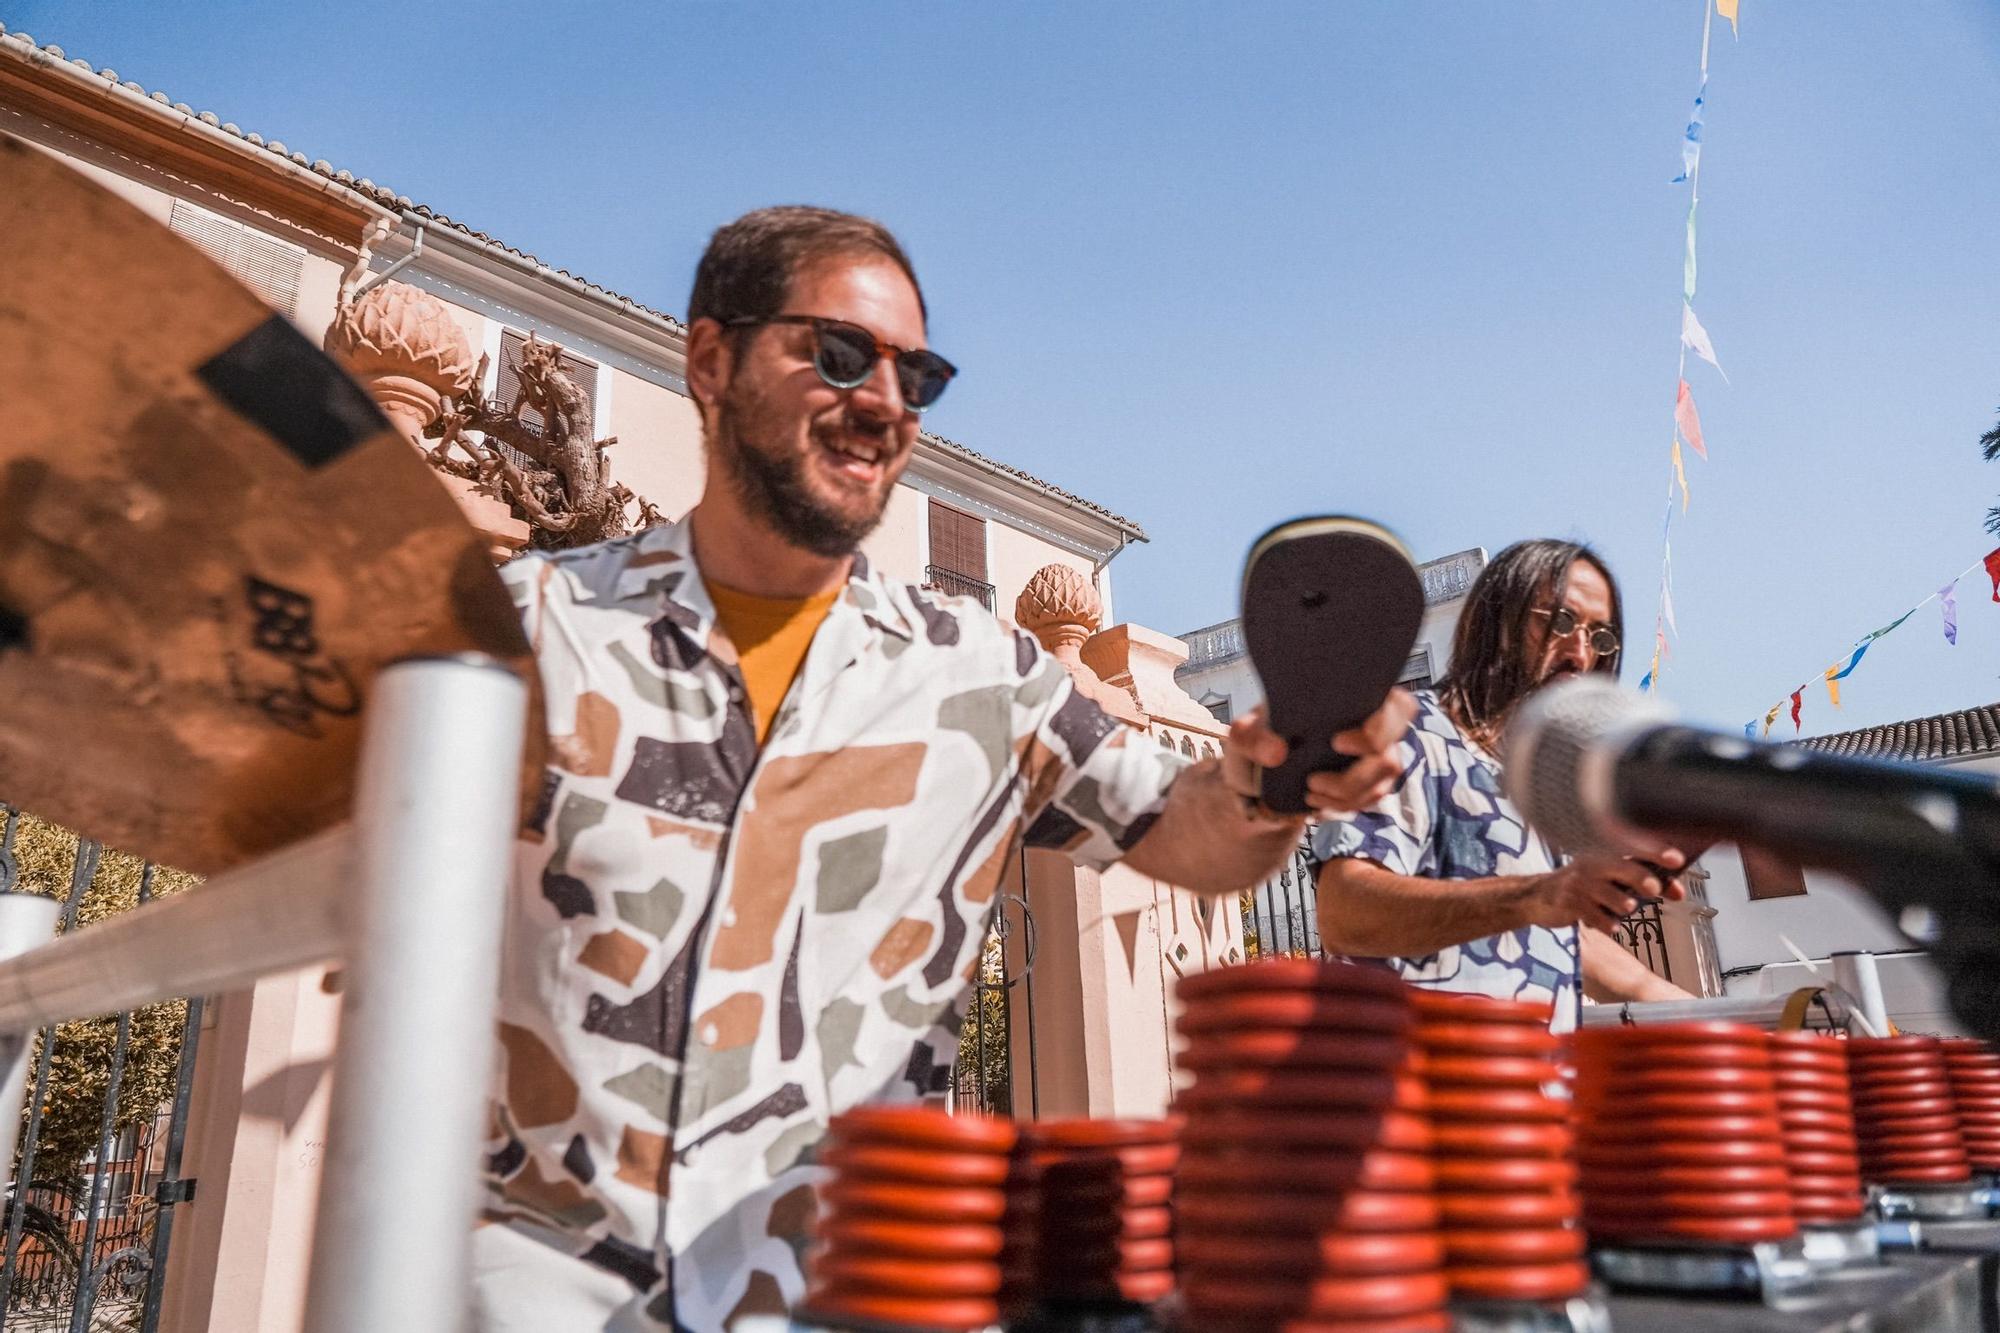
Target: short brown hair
x,y
747,270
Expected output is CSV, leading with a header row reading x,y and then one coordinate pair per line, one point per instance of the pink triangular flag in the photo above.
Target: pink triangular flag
x,y
1686,418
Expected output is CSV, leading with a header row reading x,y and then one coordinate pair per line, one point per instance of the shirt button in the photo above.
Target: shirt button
x,y
710,1034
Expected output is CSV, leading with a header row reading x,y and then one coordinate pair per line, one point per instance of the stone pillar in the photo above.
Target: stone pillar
x,y
256,1130
1110,945
408,352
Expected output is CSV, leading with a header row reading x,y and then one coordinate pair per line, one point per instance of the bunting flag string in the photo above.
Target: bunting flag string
x,y
1688,419
1691,144
1834,673
1694,338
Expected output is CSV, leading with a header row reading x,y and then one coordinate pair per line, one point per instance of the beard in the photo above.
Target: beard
x,y
772,484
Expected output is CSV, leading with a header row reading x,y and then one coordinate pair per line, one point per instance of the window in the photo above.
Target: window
x,y
1216,704
1771,876
1417,670
267,266
582,371
958,554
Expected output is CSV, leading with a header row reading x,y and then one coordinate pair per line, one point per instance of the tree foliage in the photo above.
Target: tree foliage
x,y
1989,448
80,1060
984,1070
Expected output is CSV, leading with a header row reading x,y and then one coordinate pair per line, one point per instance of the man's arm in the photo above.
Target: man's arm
x,y
1611,972
1367,910
1214,837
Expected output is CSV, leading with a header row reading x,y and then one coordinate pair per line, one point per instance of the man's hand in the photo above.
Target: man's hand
x,y
1251,745
1601,891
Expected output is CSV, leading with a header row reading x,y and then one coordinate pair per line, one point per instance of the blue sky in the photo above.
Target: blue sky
x,y
1218,265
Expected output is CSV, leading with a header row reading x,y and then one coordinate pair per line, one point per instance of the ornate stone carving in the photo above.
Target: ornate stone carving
x,y
411,355
1061,601
1062,610
406,349
553,475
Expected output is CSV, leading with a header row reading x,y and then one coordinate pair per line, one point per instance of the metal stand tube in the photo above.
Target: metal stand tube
x,y
27,921
1854,971
434,818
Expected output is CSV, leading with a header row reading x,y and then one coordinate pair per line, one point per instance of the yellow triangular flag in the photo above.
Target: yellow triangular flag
x,y
1771,717
1680,474
1727,8
1833,685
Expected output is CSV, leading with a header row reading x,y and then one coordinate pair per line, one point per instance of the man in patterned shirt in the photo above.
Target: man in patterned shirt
x,y
782,793
1443,878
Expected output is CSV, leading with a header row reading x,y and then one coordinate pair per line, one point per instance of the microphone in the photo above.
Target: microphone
x,y
1598,769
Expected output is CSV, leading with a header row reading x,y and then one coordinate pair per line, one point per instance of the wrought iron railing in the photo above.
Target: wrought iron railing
x,y
955,584
1644,935
85,1244
1281,915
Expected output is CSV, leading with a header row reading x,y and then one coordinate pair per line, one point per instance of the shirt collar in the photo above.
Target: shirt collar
x,y
659,570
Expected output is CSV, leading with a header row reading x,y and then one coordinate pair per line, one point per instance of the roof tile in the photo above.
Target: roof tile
x,y
388,198
1960,735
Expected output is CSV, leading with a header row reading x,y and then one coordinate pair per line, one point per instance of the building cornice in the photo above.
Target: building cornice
x,y
173,137
467,267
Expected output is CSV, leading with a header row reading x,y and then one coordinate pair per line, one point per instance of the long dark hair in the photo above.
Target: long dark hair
x,y
1490,670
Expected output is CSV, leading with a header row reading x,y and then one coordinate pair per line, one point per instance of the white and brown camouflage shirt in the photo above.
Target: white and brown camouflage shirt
x,y
712,949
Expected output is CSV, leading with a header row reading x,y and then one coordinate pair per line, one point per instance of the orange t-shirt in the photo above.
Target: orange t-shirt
x,y
771,636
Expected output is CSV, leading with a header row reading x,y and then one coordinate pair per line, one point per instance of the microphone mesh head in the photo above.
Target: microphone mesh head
x,y
1547,744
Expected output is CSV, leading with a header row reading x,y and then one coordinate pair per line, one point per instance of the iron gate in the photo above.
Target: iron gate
x,y
983,1074
89,1207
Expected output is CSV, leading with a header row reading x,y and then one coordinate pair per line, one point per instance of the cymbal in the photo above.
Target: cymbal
x,y
211,540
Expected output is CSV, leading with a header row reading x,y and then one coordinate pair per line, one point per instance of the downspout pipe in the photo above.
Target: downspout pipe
x,y
377,279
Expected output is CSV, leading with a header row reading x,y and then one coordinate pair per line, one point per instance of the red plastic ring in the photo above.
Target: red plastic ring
x,y
1288,1214
1513,1282
1331,1253
1492,1071
1232,1296
1502,1139
1494,1174
833,1302
1720,1230
1470,1007
1437,1035
961,1278
1508,1210
921,1166
1316,1010
921,1126
1296,1048
921,1202
1484,1104
1293,974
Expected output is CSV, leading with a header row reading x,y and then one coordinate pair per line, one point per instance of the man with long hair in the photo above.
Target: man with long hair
x,y
1443,878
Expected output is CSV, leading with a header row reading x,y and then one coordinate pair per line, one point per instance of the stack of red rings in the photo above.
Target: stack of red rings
x,y
1680,1139
1816,1112
910,1219
1512,1221
1102,1228
1973,1068
1904,1115
1304,1198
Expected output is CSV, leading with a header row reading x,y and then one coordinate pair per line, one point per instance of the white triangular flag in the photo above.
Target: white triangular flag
x,y
1695,338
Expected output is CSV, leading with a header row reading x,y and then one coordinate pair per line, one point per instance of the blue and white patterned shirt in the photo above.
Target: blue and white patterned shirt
x,y
1447,819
